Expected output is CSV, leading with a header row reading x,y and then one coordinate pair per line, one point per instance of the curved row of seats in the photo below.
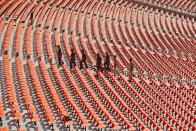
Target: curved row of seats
x,y
161,45
181,5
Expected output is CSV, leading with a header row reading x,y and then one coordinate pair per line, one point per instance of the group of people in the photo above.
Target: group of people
x,y
98,61
106,63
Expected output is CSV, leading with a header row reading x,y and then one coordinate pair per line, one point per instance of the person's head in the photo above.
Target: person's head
x,y
114,56
72,50
97,54
82,51
106,54
130,59
17,54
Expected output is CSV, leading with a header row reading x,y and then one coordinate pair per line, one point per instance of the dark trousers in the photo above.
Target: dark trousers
x,y
107,65
99,68
81,64
1,122
59,60
72,62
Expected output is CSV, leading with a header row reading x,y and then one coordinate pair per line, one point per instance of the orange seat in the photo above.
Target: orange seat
x,y
4,129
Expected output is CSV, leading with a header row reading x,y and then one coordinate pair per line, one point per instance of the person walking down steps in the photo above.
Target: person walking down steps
x,y
83,60
73,59
99,63
107,61
59,55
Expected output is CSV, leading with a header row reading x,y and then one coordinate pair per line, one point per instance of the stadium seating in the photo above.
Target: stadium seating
x,y
36,93
182,5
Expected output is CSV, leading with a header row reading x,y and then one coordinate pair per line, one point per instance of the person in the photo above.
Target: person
x,y
59,55
18,123
107,61
131,67
99,63
17,54
72,60
52,126
1,122
83,60
31,18
115,65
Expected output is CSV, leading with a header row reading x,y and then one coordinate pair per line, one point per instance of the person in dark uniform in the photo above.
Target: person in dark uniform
x,y
59,55
73,59
18,122
31,18
1,122
83,60
107,61
99,63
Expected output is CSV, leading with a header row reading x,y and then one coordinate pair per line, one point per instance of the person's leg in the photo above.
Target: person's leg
x,y
80,64
1,122
52,127
74,62
98,68
101,69
86,64
64,119
18,122
108,65
59,61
